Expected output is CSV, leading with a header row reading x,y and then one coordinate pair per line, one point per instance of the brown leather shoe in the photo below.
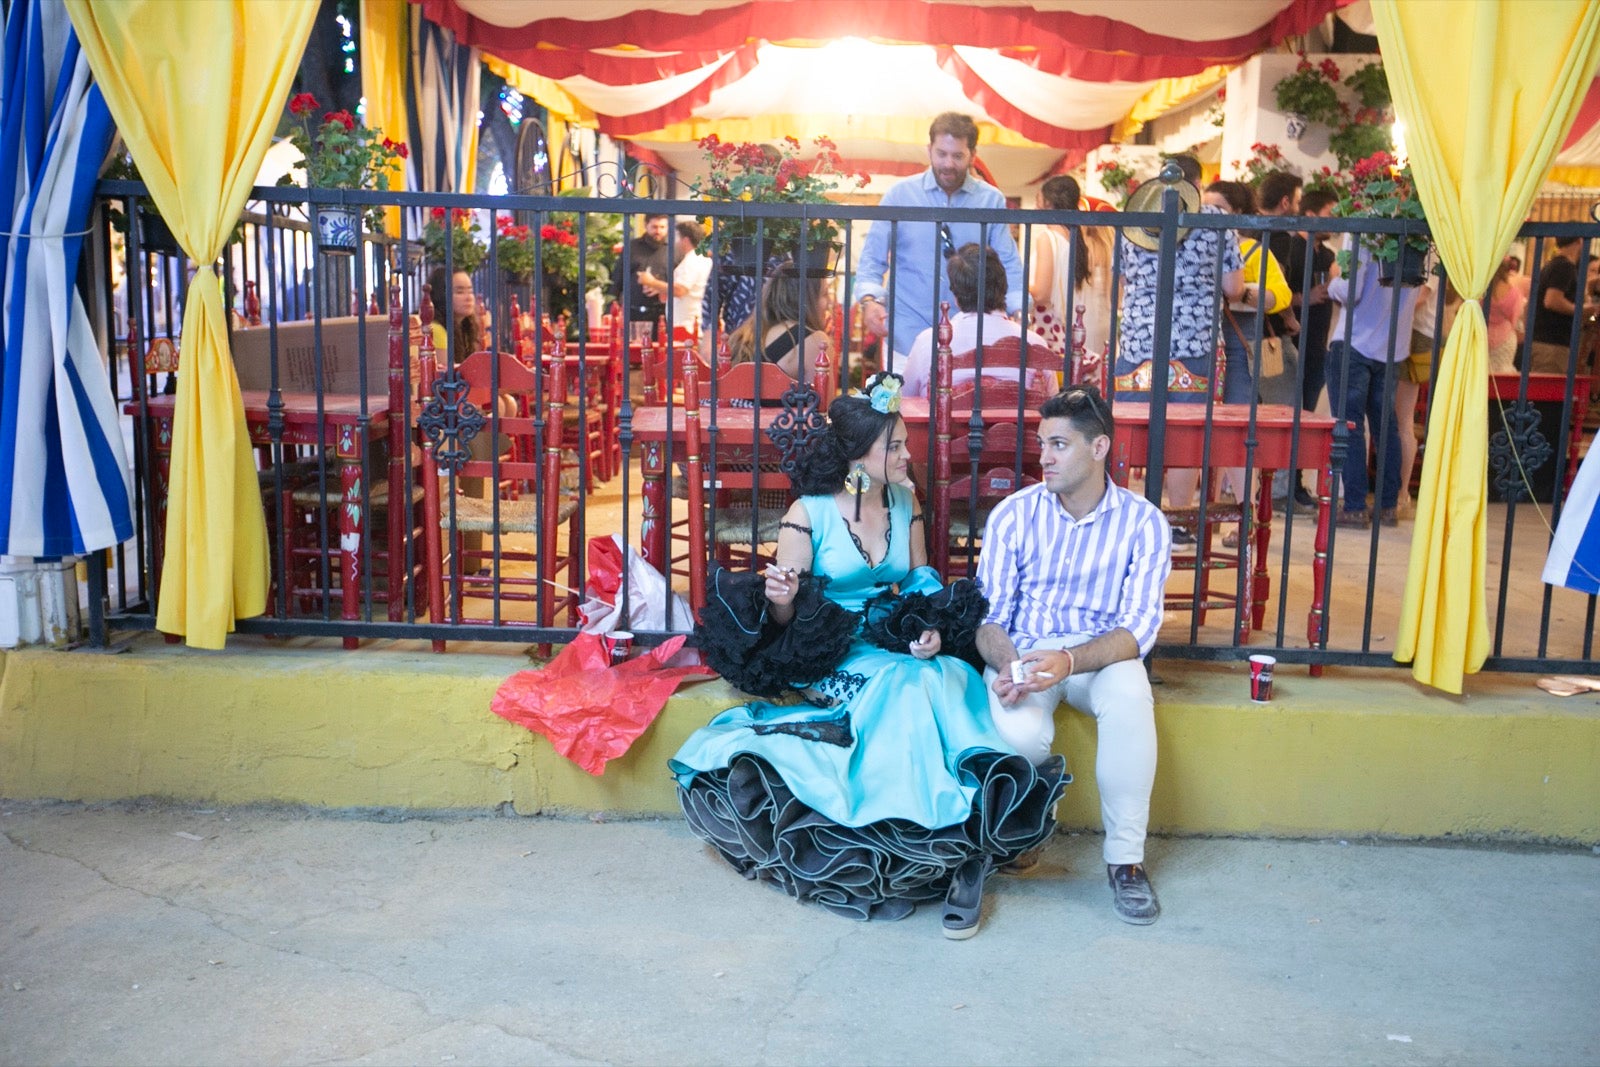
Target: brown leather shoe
x,y
1132,897
1355,520
1390,517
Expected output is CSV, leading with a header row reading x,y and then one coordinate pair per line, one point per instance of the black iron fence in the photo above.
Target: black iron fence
x,y
386,520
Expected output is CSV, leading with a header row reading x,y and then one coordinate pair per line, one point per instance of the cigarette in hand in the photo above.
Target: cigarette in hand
x,y
1042,674
780,573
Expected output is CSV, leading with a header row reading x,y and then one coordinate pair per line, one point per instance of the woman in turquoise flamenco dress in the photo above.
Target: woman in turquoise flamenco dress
x,y
887,784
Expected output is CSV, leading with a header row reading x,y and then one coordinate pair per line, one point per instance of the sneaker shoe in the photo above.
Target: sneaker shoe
x,y
1132,898
1304,500
1182,538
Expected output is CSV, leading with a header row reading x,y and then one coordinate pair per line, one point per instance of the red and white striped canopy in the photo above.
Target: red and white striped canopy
x,y
1045,78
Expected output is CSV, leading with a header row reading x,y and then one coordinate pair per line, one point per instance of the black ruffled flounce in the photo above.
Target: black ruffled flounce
x,y
878,871
892,620
741,642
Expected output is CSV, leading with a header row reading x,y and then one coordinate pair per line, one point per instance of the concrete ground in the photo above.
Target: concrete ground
x,y
141,934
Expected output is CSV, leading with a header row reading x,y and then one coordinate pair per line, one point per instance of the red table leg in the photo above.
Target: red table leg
x,y
1261,578
1317,619
352,525
652,531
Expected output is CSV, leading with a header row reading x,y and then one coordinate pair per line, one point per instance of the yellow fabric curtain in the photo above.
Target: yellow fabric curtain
x,y
1487,90
196,90
384,48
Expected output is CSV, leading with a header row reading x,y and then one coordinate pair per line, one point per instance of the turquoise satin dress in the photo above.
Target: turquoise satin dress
x,y
874,799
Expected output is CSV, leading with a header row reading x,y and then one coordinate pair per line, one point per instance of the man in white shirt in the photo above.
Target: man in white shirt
x,y
1074,568
689,279
962,271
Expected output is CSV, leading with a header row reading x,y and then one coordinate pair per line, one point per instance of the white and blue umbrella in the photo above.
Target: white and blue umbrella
x,y
65,487
1574,559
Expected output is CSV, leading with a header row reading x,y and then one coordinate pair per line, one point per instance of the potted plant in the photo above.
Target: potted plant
x,y
1382,189
1264,159
1308,94
1364,134
1326,177
514,250
773,174
1371,86
1117,178
458,228
341,154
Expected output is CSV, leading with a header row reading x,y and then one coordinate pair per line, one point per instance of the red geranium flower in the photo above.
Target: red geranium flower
x,y
344,118
302,104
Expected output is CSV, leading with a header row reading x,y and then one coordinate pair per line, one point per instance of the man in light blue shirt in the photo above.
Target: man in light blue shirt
x,y
921,248
1361,383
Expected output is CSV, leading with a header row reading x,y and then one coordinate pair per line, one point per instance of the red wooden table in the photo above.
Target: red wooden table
x,y
1275,435
340,426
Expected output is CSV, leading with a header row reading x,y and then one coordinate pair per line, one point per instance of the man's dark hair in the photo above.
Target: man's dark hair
x,y
1241,201
1314,200
1275,186
962,270
692,230
1189,165
956,125
1083,407
652,216
1568,241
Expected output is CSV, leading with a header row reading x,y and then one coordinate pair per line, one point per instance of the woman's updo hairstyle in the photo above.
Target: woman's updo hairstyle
x,y
854,424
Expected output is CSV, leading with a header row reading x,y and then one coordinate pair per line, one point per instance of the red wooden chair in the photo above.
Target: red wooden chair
x,y
454,405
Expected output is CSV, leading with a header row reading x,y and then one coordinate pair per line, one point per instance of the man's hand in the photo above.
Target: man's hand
x,y
1040,669
874,317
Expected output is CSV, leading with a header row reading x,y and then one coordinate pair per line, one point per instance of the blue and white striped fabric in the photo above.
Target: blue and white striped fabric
x,y
442,102
65,486
1574,559
1048,576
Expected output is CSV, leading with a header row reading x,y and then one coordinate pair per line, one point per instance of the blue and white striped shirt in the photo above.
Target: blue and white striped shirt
x,y
1047,575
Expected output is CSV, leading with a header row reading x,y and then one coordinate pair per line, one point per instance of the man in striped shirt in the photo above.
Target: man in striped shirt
x,y
1074,569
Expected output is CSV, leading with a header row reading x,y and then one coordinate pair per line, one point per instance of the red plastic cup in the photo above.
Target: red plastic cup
x,y
1261,678
620,644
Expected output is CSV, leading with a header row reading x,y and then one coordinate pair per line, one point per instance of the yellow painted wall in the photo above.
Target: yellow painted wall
x,y
1354,753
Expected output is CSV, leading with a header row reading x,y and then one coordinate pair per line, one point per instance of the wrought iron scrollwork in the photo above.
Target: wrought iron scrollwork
x,y
797,425
1516,450
449,421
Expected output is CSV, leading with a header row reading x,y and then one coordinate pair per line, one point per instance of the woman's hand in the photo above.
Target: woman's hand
x,y
782,585
927,646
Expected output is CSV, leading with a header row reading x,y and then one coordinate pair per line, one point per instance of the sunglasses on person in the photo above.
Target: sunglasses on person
x,y
1080,401
947,244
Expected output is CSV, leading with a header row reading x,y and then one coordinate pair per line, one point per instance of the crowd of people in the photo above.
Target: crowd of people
x,y
900,749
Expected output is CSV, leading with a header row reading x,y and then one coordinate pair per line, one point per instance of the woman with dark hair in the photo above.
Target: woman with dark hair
x,y
889,785
455,311
1070,269
793,322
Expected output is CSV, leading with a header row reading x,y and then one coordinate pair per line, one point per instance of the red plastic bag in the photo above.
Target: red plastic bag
x,y
590,709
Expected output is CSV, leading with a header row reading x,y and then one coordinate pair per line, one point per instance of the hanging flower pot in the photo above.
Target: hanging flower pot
x,y
338,230
1390,273
1294,125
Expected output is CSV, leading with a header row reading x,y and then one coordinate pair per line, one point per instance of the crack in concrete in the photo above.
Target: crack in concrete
x,y
802,980
212,922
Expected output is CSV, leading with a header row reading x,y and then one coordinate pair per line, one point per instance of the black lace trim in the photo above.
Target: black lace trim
x,y
836,688
794,526
827,732
888,542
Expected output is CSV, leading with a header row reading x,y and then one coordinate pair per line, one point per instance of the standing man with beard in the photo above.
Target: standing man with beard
x,y
647,252
921,248
1075,569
